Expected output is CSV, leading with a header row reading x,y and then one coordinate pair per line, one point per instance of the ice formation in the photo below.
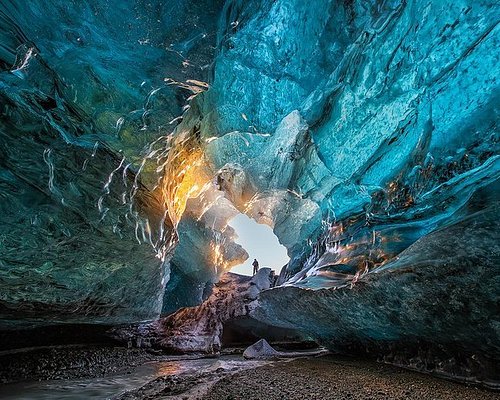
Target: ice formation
x,y
365,133
200,329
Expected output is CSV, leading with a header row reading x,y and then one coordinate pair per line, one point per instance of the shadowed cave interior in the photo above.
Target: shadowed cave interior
x,y
144,143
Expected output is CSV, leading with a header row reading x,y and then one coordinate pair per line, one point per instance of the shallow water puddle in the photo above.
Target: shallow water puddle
x,y
113,386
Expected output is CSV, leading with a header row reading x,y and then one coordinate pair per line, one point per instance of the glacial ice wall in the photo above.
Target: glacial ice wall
x,y
366,135
86,90
364,132
365,124
434,308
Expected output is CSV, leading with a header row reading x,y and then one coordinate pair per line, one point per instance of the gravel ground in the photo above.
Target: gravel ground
x,y
69,362
329,377
338,378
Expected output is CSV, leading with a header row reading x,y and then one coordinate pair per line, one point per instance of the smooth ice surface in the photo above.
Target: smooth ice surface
x,y
84,90
260,242
432,308
362,131
358,127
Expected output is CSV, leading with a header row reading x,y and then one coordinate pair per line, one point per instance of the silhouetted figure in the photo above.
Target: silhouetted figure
x,y
255,266
273,278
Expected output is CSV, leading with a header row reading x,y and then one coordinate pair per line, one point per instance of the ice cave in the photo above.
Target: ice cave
x,y
150,150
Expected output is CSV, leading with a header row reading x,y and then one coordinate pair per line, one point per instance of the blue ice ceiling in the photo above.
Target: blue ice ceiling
x,y
381,117
365,133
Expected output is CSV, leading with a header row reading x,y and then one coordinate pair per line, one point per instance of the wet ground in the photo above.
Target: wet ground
x,y
190,372
339,378
70,362
230,377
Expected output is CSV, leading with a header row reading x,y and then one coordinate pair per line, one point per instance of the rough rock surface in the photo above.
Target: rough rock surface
x,y
200,328
69,362
262,350
259,350
338,379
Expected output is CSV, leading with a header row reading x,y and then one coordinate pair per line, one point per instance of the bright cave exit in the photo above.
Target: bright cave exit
x,y
260,242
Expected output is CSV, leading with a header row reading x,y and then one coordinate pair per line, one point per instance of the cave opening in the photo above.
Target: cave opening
x,y
144,143
260,242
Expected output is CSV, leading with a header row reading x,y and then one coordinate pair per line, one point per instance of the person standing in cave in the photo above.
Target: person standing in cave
x,y
255,266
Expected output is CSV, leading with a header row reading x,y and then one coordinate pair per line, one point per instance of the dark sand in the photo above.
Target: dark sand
x,y
338,378
69,362
328,377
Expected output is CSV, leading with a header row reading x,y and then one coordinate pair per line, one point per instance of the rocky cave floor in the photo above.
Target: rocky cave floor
x,y
70,362
326,377
334,377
